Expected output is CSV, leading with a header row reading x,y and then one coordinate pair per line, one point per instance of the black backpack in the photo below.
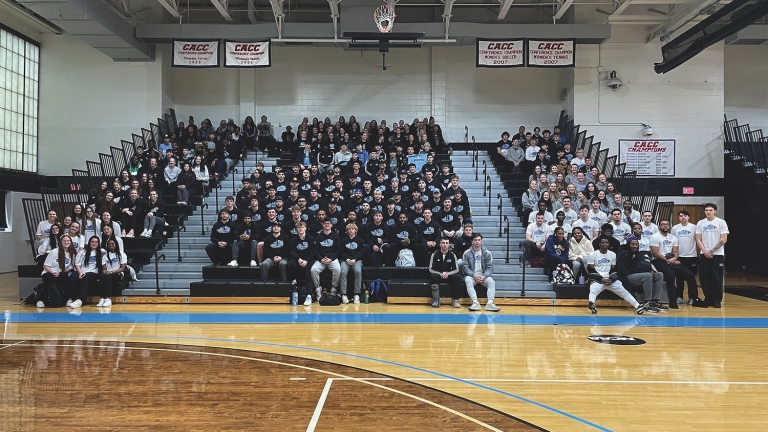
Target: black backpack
x,y
54,295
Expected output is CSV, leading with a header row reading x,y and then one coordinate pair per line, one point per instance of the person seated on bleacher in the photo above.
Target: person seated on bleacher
x,y
463,242
530,199
59,267
560,222
630,215
222,236
289,224
445,176
596,214
590,227
114,262
377,236
245,237
444,267
542,160
515,155
302,255
431,231
570,214
351,258
449,219
460,204
602,266
542,207
342,157
634,268
573,176
276,252
477,269
390,214
325,158
620,228
78,240
48,243
171,174
88,263
580,247
605,205
328,250
155,214
536,235
131,212
644,242
606,231
186,184
44,227
65,223
556,250
404,235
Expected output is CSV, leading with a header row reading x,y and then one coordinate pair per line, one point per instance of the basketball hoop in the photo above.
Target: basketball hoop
x,y
384,16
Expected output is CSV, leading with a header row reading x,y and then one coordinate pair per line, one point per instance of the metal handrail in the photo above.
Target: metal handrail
x,y
506,230
490,195
485,178
522,261
498,196
180,227
466,140
202,217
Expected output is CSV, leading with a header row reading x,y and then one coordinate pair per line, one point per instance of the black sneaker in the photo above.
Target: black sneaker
x,y
661,307
592,307
674,305
716,304
650,307
640,308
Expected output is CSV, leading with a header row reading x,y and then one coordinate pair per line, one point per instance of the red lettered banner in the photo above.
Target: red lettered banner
x,y
550,53
648,157
500,53
196,54
247,54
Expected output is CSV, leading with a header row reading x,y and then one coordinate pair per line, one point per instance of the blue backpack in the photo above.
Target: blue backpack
x,y
379,290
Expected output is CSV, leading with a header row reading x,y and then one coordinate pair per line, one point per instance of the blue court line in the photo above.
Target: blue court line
x,y
356,356
386,318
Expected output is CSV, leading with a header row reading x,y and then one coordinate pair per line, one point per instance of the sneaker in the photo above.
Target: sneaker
x,y
130,234
674,305
699,303
318,293
40,304
232,263
179,202
593,308
651,308
435,304
254,263
107,302
183,203
640,309
356,300
101,303
345,299
690,301
308,301
455,303
661,307
680,300
69,303
717,305
475,306
490,306
76,304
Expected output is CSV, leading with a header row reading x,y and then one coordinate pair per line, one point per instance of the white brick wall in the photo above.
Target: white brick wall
x,y
746,85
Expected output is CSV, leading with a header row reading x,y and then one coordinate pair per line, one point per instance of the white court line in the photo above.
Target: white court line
x,y
296,379
10,345
566,381
320,404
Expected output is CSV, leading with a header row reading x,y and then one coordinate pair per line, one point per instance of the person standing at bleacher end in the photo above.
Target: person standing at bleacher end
x,y
687,251
711,236
222,236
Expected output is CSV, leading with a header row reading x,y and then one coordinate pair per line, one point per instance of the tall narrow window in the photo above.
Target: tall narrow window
x,y
19,75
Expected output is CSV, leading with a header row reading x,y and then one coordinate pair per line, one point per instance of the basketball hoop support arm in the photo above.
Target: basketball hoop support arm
x,y
334,5
277,10
447,15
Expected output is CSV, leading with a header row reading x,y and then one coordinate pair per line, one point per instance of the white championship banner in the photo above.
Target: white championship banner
x,y
247,54
648,157
500,53
195,54
547,53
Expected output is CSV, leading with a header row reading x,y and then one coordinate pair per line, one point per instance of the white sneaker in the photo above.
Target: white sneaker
x,y
308,301
356,300
40,304
232,263
77,303
69,303
101,303
145,233
455,303
345,299
490,306
254,263
107,302
475,306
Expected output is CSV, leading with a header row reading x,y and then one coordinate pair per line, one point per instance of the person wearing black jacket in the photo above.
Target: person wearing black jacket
x,y
265,230
328,248
276,251
430,231
443,267
222,236
155,213
607,232
351,257
634,268
377,237
303,249
131,210
448,219
404,235
245,237
463,242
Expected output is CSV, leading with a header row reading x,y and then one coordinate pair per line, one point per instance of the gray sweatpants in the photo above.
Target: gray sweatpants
x,y
318,268
357,269
469,281
651,284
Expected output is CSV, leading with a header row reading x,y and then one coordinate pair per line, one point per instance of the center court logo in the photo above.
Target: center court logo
x,y
616,340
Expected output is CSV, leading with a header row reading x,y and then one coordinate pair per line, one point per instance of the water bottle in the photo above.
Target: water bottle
x,y
554,274
581,280
294,298
366,296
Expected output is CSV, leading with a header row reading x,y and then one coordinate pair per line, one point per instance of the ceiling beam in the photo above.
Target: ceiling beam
x,y
623,6
679,16
277,10
221,6
637,19
563,7
505,5
172,6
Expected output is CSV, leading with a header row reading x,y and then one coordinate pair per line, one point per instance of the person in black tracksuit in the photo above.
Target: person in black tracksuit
x,y
222,236
276,252
404,235
444,268
430,231
377,237
303,250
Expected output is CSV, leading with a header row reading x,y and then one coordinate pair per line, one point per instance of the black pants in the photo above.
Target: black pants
x,y
88,280
219,256
377,259
530,251
692,264
454,281
128,222
672,275
108,283
298,271
711,277
69,280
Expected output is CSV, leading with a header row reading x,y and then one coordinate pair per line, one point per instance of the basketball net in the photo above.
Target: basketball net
x,y
384,16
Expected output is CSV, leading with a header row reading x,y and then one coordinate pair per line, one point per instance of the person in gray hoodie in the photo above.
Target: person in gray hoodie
x,y
477,268
515,156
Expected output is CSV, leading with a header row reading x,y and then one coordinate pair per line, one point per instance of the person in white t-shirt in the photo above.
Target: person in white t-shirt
x,y
114,263
711,236
590,227
541,207
630,214
88,265
601,266
597,215
570,215
59,267
536,237
44,228
687,251
644,243
649,228
620,228
78,240
665,250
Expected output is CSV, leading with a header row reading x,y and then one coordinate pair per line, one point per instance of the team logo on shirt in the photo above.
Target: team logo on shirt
x,y
352,245
92,258
302,246
647,233
280,188
402,234
306,187
709,227
256,217
281,217
666,243
277,244
683,233
75,244
48,231
391,222
418,220
603,261
459,208
429,230
436,208
314,207
114,260
538,232
271,205
223,230
334,220
233,217
247,232
377,232
326,243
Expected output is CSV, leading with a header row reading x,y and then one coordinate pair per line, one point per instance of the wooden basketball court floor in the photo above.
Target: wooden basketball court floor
x,y
382,367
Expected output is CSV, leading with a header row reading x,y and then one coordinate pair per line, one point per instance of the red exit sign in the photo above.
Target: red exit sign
x,y
687,191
